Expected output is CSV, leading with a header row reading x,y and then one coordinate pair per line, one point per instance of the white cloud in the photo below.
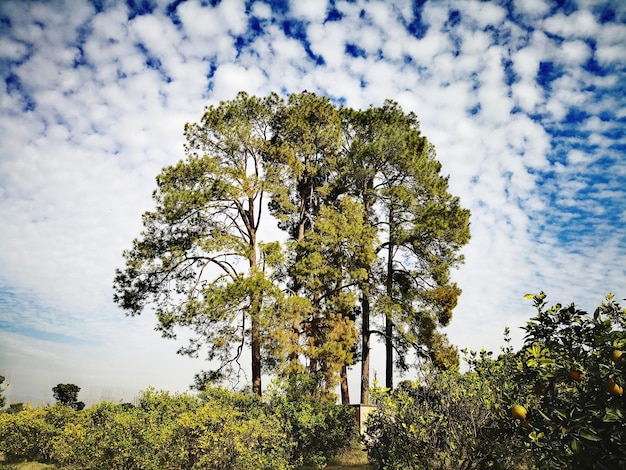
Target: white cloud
x,y
611,33
611,54
213,22
526,61
575,157
528,95
484,13
329,41
229,79
311,10
573,53
262,10
534,9
475,44
160,37
580,24
12,50
496,105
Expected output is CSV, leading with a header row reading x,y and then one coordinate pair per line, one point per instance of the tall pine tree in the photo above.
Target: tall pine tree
x,y
371,236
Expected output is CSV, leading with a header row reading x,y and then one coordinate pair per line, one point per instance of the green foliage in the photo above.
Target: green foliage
x,y
391,168
16,408
446,421
371,228
197,259
215,429
67,394
216,436
559,377
332,260
110,436
562,374
318,428
3,388
31,434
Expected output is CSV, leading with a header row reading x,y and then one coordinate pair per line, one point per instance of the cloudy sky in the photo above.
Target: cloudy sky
x,y
523,99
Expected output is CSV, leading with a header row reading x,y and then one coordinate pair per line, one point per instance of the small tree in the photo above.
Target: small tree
x,y
3,387
571,376
67,394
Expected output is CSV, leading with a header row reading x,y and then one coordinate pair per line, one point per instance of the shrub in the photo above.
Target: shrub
x,y
215,430
218,436
31,434
317,426
110,436
448,421
3,387
563,369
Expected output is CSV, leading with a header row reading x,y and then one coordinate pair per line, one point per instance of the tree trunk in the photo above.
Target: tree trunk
x,y
388,316
345,391
388,352
365,348
256,356
255,307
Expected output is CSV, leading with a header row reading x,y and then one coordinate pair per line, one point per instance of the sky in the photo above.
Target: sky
x,y
524,101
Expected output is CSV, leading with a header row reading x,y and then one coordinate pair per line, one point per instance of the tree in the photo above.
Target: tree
x,y
67,394
379,159
3,399
392,169
334,261
369,223
328,235
570,376
199,258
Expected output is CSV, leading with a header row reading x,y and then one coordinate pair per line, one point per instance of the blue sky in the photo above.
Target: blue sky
x,y
523,99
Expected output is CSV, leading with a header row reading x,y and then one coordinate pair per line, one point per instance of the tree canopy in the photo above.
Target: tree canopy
x,y
67,394
3,387
298,229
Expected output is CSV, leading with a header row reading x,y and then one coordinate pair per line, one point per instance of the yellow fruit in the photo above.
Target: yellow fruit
x,y
576,375
518,412
614,388
615,355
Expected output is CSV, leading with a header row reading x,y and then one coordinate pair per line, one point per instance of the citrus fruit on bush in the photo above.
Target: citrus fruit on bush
x,y
518,412
576,375
614,388
615,355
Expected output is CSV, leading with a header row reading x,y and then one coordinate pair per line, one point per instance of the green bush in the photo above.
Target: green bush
x,y
569,378
562,374
447,421
218,436
318,428
214,430
3,387
31,434
110,436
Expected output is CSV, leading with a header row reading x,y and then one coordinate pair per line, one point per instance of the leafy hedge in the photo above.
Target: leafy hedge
x,y
215,429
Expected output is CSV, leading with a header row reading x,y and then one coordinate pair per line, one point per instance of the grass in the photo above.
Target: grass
x,y
349,459
354,458
25,465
